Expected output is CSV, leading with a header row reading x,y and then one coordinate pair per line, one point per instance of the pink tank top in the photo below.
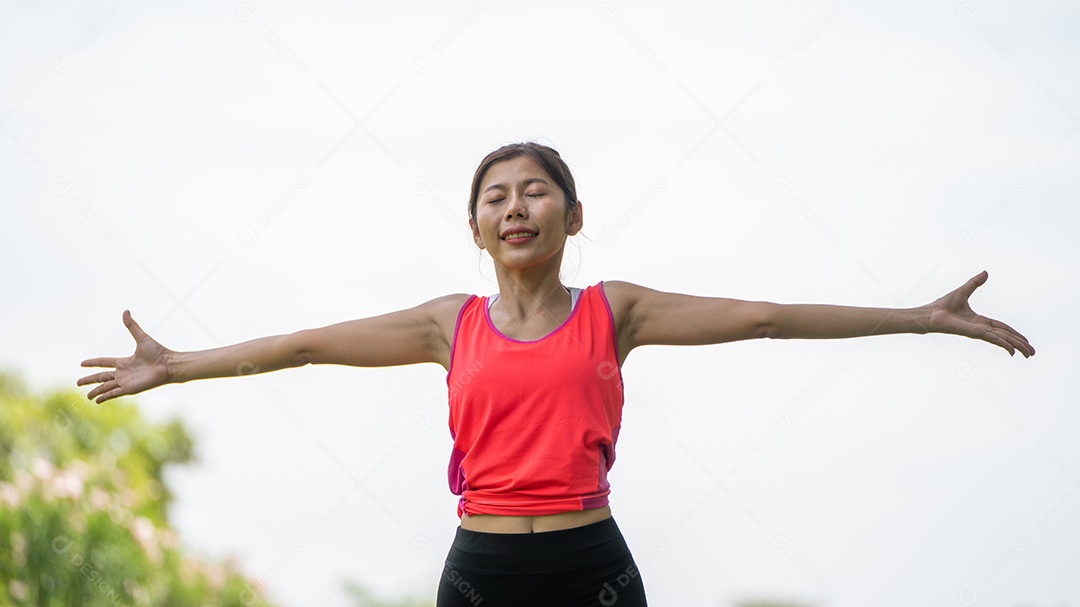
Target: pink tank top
x,y
534,423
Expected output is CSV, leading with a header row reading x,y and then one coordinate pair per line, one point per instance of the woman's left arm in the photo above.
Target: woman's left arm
x,y
947,314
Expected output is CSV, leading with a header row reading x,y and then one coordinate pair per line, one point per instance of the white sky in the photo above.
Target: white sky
x,y
228,171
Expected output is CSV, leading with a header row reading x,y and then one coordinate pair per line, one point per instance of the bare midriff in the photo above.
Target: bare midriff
x,y
497,523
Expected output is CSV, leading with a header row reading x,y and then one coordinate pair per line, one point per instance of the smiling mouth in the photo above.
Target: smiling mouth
x,y
519,236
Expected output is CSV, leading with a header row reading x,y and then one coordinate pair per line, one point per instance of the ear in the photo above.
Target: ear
x,y
476,234
575,221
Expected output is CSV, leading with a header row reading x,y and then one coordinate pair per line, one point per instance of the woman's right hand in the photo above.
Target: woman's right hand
x,y
147,368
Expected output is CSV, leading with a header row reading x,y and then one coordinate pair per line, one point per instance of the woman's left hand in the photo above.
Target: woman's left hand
x,y
952,314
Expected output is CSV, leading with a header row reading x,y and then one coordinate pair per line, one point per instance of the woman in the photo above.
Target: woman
x,y
534,383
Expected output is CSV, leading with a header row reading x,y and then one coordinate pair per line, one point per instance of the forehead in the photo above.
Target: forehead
x,y
510,172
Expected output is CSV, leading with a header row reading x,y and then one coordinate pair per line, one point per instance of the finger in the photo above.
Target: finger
x,y
974,283
110,394
1016,343
95,378
99,362
1022,341
1000,341
133,327
984,332
997,324
105,387
1012,334
1000,325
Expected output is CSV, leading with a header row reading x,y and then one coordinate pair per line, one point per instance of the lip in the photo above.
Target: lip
x,y
514,229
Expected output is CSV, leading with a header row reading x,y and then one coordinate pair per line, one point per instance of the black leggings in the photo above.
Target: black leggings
x,y
583,566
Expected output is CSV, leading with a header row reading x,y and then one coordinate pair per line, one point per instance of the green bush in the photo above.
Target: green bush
x,y
84,508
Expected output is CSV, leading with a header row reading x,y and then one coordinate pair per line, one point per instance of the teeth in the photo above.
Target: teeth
x,y
518,235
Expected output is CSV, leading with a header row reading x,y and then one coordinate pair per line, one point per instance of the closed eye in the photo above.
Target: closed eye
x,y
494,200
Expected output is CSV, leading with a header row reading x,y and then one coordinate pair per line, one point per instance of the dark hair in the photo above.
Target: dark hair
x,y
542,155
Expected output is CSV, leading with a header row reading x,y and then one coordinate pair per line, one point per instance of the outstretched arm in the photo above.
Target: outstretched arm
x,y
948,314
654,317
398,338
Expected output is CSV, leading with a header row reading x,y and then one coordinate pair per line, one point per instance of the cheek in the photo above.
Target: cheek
x,y
486,224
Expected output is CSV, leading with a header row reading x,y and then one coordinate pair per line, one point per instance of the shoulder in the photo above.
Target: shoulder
x,y
622,296
444,310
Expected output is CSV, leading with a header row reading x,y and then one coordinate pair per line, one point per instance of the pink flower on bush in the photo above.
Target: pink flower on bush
x,y
143,531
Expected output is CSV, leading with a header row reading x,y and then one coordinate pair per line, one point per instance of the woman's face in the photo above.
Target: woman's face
x,y
517,195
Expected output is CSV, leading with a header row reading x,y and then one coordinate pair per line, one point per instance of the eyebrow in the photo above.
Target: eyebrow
x,y
500,186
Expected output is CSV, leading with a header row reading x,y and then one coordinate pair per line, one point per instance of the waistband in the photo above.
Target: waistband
x,y
509,553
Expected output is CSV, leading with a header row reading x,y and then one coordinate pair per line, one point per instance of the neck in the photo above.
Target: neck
x,y
523,291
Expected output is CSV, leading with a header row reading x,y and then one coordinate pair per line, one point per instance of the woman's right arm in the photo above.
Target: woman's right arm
x,y
416,335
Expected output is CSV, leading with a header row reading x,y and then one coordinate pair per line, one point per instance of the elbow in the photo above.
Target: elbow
x,y
301,353
767,328
767,331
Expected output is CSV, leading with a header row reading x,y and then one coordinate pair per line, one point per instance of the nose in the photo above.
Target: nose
x,y
515,205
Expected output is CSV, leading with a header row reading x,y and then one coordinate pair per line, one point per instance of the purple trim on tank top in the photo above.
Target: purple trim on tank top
x,y
453,340
614,334
590,503
594,502
609,450
573,313
455,475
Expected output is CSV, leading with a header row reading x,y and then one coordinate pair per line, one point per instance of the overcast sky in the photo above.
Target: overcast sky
x,y
228,171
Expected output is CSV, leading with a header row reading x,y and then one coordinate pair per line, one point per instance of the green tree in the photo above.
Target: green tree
x,y
84,508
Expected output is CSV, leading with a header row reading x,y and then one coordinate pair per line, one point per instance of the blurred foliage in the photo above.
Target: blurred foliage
x,y
84,508
361,597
